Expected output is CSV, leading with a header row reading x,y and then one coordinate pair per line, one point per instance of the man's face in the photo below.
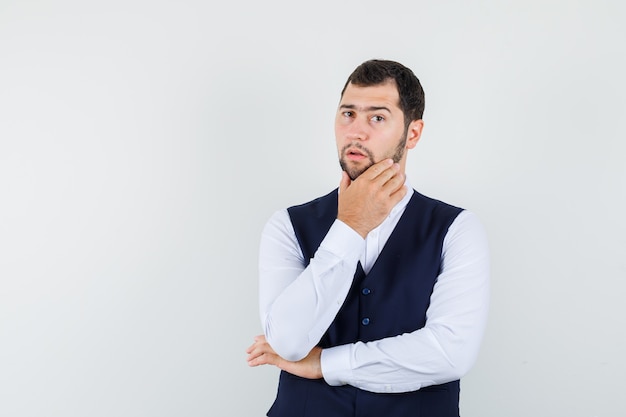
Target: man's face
x,y
369,127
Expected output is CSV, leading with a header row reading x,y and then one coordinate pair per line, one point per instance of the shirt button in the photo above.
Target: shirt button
x,y
365,291
365,321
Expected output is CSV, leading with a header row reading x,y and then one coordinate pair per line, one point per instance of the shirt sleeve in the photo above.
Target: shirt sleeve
x,y
447,346
298,303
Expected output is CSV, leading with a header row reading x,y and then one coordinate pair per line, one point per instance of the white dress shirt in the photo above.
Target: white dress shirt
x,y
298,304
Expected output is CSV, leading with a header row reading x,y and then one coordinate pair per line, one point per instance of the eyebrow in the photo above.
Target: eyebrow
x,y
370,108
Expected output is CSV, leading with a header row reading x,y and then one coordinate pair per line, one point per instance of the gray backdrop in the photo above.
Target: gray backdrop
x,y
143,144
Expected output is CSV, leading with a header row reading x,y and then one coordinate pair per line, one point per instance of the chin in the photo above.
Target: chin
x,y
352,171
355,173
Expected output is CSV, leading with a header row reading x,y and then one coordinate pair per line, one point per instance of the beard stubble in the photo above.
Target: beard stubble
x,y
354,173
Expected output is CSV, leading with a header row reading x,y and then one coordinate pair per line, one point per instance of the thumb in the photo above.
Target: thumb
x,y
345,181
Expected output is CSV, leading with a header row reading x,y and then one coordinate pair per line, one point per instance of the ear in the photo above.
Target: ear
x,y
414,133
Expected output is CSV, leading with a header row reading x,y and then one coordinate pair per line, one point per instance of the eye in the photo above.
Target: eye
x,y
378,119
347,113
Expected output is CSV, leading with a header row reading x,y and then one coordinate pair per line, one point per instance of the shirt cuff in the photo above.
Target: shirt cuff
x,y
343,241
335,362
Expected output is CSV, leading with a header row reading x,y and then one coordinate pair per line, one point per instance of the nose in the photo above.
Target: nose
x,y
357,129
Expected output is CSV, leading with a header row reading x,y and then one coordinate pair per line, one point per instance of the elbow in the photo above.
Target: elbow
x,y
453,370
462,362
287,349
459,370
459,355
286,346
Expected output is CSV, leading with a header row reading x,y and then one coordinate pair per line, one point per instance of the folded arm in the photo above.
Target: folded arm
x,y
447,346
298,303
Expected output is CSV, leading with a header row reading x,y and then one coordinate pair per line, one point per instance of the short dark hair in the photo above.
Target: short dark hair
x,y
376,71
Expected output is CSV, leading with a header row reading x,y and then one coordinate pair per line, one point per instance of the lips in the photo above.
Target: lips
x,y
355,154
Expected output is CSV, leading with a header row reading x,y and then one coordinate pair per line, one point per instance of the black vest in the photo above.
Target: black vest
x,y
390,300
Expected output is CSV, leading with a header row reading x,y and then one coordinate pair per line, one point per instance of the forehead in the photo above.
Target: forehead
x,y
380,95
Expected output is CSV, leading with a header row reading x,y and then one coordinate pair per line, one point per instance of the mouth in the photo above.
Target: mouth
x,y
354,154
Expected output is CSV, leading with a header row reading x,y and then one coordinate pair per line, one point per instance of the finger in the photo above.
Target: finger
x,y
345,181
392,182
251,348
378,168
265,359
398,194
386,175
258,358
254,351
256,361
258,349
257,339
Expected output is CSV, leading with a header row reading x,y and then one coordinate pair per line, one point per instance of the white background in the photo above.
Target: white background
x,y
143,144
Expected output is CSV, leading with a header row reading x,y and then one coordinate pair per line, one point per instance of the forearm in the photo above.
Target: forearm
x,y
430,356
298,303
447,346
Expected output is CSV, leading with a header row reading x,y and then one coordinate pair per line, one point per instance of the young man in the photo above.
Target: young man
x,y
373,298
